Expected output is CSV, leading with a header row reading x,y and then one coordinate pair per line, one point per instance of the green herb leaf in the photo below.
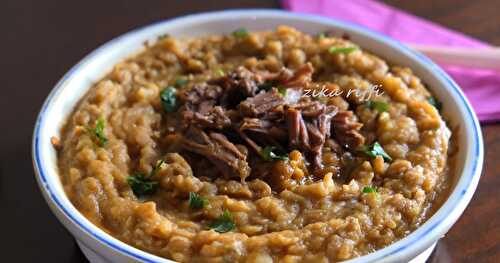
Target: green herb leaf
x,y
97,133
142,185
380,106
374,150
168,99
435,102
321,35
270,153
282,90
369,189
223,223
220,72
341,50
196,201
181,82
240,33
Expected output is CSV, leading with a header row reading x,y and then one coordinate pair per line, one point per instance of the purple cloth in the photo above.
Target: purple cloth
x,y
480,86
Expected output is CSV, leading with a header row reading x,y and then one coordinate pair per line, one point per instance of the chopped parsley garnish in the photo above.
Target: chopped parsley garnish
x,y
181,82
270,153
341,50
196,201
380,106
168,99
374,150
223,223
282,90
142,184
369,189
97,133
435,102
240,33
220,72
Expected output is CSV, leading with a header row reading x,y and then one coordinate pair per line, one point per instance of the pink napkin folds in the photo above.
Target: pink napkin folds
x,y
482,87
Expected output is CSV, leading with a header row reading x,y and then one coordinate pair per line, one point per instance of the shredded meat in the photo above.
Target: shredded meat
x,y
310,136
200,93
261,104
310,108
260,131
219,150
319,132
238,85
276,130
346,130
297,130
249,141
245,107
254,124
199,107
214,118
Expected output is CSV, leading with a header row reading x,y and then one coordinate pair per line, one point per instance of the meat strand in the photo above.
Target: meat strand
x,y
346,130
297,130
230,161
261,104
238,85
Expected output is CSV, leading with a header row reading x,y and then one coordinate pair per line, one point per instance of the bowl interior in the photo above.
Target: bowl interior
x,y
80,78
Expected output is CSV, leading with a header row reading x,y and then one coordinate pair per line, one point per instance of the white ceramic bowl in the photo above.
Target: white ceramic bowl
x,y
101,247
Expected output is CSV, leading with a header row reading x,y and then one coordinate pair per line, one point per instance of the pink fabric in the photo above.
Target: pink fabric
x,y
480,86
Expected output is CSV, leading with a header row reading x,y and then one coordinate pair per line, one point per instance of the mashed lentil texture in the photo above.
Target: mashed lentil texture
x,y
214,149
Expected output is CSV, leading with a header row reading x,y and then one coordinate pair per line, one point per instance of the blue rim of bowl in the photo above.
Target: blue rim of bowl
x,y
389,250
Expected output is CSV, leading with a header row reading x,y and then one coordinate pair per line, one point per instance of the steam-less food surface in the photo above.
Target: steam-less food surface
x,y
254,147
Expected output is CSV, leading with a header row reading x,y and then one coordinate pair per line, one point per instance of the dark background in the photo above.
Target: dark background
x,y
40,40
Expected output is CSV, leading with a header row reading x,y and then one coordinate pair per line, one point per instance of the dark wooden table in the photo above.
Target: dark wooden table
x,y
41,40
